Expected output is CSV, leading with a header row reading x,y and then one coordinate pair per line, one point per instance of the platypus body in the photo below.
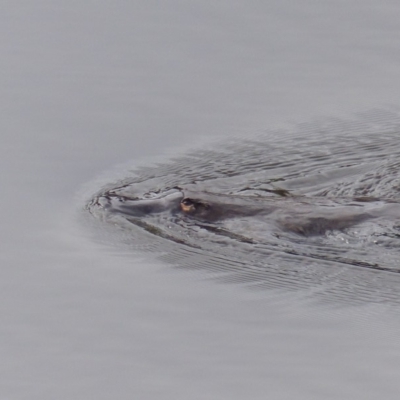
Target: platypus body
x,y
304,216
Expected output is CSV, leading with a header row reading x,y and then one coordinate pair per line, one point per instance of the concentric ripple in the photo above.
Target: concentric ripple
x,y
332,191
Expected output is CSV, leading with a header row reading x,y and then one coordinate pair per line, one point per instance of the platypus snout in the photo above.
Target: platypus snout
x,y
140,208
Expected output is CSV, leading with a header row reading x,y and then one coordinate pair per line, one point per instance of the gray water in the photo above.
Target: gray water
x,y
293,210
90,86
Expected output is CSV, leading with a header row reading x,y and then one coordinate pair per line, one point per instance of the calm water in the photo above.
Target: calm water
x,y
93,91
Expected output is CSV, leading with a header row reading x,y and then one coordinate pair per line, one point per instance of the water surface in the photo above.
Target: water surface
x,y
289,212
86,86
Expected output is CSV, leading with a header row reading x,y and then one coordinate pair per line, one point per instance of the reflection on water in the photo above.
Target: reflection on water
x,y
315,208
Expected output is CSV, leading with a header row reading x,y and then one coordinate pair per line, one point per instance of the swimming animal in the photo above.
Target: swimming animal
x,y
306,216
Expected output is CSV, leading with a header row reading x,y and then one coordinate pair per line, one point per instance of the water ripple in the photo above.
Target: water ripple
x,y
313,174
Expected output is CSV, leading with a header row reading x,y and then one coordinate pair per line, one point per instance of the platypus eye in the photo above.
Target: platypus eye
x,y
193,206
187,202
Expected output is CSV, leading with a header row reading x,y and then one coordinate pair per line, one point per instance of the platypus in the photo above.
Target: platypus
x,y
301,215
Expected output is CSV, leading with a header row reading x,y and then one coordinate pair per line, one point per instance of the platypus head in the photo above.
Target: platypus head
x,y
211,208
194,207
